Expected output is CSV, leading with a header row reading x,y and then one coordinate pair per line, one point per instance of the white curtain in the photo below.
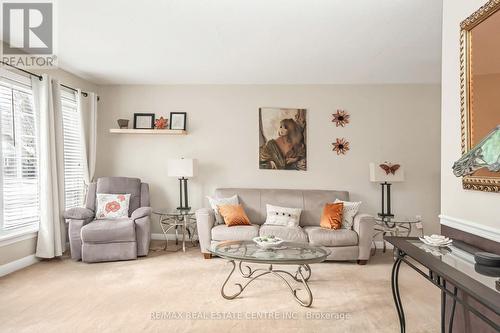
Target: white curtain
x,y
51,233
88,113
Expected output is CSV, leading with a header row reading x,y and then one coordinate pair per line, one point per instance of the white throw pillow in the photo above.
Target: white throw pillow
x,y
215,202
350,210
283,216
112,206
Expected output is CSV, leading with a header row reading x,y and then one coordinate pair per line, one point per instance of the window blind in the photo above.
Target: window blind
x,y
19,153
73,163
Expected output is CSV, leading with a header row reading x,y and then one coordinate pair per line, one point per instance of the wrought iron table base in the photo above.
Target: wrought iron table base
x,y
440,282
184,225
302,275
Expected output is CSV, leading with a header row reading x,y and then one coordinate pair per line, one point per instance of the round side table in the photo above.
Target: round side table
x,y
394,226
183,219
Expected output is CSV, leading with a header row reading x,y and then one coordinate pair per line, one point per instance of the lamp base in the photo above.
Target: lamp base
x,y
385,215
184,208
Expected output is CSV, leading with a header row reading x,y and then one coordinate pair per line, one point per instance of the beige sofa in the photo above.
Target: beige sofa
x,y
343,244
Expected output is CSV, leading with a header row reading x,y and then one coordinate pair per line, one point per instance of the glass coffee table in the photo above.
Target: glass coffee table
x,y
294,254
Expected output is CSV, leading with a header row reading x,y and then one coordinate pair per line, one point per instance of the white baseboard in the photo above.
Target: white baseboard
x,y
471,227
18,264
169,236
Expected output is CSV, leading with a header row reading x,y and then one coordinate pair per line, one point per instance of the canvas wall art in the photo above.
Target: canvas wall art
x,y
282,139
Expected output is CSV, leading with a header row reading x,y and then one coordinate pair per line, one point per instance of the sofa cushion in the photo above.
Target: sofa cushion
x,y
222,232
106,231
290,234
328,237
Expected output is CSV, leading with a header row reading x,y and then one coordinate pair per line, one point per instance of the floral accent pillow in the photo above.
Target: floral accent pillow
x,y
112,206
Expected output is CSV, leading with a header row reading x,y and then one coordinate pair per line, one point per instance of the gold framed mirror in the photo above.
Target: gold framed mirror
x,y
480,87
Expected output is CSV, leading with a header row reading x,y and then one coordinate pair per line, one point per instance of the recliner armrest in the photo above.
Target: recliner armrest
x,y
140,213
78,213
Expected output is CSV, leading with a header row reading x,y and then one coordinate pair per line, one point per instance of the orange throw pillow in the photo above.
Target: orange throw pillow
x,y
233,215
332,216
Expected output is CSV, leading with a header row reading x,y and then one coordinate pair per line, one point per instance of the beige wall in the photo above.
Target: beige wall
x,y
400,123
476,210
25,248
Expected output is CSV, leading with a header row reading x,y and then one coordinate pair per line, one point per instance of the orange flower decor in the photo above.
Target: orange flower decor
x,y
340,118
341,146
161,123
112,206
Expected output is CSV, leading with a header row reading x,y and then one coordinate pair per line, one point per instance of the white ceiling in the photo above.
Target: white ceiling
x,y
251,41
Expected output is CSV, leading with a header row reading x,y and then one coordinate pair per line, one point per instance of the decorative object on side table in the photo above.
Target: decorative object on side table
x,y
385,174
144,120
122,123
436,240
341,146
183,219
183,169
479,99
341,118
282,139
178,120
161,123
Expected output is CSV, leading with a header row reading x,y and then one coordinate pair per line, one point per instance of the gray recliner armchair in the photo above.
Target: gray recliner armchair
x,y
94,240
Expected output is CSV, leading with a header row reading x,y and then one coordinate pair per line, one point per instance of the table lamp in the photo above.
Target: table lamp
x,y
182,168
385,174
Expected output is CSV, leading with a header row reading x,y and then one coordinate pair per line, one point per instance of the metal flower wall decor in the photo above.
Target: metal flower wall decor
x,y
341,146
341,118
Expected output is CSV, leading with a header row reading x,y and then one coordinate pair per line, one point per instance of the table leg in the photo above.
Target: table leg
x,y
298,276
395,290
184,227
443,307
453,305
176,235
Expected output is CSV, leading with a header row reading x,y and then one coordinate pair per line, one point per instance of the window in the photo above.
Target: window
x,y
19,152
73,163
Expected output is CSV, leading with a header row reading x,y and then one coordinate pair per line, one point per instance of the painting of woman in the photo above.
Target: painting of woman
x,y
282,139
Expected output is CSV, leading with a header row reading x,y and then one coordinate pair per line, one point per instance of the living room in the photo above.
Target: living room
x,y
250,165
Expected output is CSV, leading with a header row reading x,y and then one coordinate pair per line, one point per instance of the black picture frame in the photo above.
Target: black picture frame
x,y
151,123
171,121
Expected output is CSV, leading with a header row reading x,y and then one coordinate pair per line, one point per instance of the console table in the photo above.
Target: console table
x,y
452,269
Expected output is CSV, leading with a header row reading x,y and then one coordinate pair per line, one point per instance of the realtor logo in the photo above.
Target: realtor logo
x,y
27,28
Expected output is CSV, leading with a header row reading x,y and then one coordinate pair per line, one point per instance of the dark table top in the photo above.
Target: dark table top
x,y
457,265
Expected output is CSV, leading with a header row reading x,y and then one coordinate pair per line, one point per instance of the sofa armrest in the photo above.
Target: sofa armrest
x,y
78,213
140,212
363,225
205,219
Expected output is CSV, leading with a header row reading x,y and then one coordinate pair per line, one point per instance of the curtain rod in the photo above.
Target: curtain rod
x,y
85,94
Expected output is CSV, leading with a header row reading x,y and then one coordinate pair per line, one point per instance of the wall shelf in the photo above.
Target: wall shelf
x,y
147,131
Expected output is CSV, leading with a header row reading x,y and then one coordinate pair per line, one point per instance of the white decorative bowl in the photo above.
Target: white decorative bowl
x,y
267,242
436,240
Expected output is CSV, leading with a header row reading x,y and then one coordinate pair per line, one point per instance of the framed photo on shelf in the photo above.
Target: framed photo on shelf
x,y
178,120
144,120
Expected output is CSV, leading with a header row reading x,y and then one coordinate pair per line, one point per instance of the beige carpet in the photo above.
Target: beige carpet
x,y
68,296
